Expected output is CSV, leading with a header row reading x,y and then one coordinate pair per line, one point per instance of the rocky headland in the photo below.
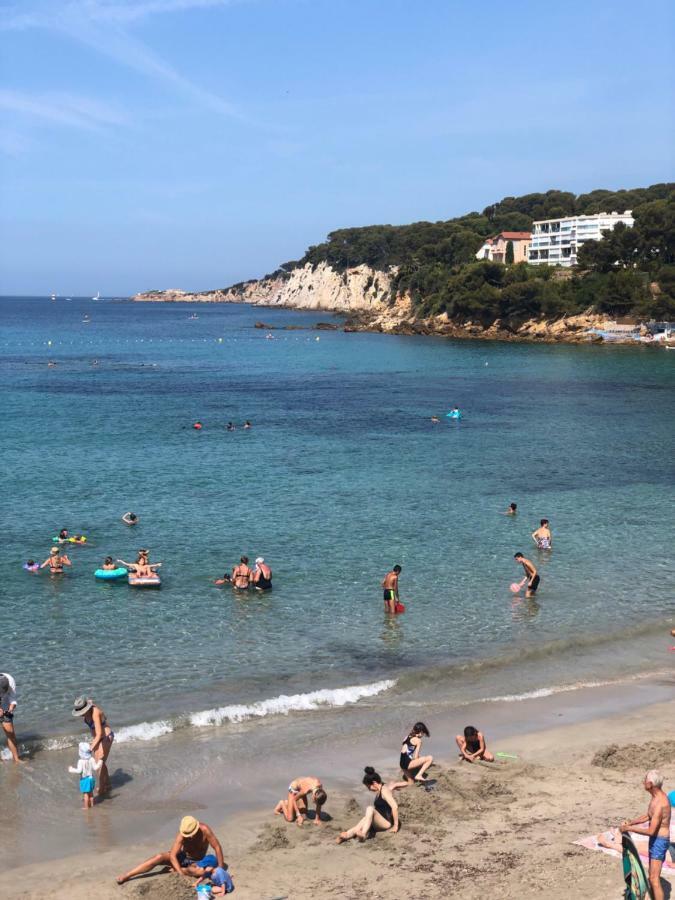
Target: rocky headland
x,y
365,297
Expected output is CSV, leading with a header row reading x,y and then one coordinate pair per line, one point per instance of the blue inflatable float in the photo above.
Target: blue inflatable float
x,y
110,574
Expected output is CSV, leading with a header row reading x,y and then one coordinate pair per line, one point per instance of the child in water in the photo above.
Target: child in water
x,y
31,566
85,768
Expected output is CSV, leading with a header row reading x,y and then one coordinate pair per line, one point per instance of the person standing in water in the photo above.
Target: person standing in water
x,y
262,575
531,574
7,707
390,586
542,536
102,737
56,561
241,575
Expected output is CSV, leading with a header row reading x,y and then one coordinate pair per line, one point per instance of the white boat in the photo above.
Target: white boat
x,y
98,296
53,297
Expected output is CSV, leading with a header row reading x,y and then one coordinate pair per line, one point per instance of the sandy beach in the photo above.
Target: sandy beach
x,y
502,830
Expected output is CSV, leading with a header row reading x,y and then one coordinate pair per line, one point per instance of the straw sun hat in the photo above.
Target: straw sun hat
x,y
189,826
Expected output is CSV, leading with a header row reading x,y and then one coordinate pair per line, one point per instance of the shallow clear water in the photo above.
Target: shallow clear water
x,y
342,476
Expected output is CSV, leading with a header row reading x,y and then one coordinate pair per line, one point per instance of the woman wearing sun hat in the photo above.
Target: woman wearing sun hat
x,y
262,575
102,737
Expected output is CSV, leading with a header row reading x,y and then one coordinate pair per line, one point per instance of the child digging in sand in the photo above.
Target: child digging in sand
x,y
214,883
294,807
85,768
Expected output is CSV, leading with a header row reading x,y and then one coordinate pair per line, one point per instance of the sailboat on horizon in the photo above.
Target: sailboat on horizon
x,y
98,296
53,296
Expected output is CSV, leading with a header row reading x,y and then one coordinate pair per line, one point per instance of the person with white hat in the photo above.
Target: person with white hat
x,y
7,707
189,854
262,575
85,768
102,737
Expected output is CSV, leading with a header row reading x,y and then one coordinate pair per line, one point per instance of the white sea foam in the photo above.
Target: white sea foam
x,y
284,704
144,731
563,688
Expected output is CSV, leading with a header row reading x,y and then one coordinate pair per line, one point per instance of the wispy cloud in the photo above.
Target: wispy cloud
x,y
100,25
62,108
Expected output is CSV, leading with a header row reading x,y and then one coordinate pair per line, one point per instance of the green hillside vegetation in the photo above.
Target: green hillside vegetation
x,y
437,266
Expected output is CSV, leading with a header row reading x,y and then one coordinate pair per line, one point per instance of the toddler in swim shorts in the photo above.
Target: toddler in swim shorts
x,y
85,768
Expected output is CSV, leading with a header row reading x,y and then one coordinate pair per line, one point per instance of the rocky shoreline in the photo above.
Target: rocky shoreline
x,y
364,296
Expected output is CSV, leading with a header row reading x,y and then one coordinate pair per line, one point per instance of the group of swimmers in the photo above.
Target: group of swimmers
x,y
198,425
243,577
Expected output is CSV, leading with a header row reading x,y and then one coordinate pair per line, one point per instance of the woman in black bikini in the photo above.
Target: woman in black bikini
x,y
381,816
56,561
102,737
412,764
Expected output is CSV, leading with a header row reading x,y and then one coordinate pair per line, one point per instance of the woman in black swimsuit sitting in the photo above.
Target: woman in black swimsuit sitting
x,y
381,816
412,764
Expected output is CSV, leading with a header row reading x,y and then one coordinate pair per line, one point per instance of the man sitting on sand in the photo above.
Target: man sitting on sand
x,y
658,830
472,746
189,854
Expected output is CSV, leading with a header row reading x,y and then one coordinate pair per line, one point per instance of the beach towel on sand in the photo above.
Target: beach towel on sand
x,y
640,843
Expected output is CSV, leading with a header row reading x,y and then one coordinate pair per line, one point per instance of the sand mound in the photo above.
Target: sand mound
x,y
272,837
650,755
162,887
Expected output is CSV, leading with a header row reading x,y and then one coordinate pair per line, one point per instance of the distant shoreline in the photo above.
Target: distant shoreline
x,y
398,320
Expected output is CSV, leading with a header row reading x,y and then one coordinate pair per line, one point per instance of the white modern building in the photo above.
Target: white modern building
x,y
555,242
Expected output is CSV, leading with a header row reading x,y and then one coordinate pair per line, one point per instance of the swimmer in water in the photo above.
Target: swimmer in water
x,y
108,564
142,567
512,510
542,536
130,518
56,561
435,420
531,574
63,536
231,426
31,566
247,424
224,580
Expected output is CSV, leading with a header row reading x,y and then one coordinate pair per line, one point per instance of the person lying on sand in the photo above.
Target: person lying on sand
x,y
412,764
188,855
294,807
472,746
381,816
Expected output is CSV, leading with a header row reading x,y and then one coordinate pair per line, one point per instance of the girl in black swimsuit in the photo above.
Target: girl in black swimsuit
x,y
381,816
412,764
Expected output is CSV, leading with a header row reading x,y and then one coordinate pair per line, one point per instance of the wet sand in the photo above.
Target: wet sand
x,y
503,830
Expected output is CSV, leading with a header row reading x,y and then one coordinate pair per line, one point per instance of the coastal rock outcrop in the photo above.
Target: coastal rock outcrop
x,y
359,289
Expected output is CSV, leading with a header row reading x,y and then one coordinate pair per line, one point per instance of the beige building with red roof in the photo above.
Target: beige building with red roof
x,y
494,248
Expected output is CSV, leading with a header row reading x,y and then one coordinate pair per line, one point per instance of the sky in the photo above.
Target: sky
x,y
150,144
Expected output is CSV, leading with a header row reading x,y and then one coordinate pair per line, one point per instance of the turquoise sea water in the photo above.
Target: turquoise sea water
x,y
342,476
